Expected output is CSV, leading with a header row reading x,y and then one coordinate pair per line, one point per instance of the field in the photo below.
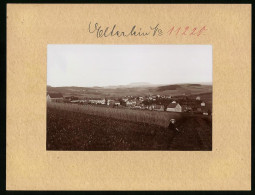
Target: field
x,y
143,116
78,127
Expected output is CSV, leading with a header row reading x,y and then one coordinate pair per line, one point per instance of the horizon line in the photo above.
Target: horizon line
x,y
145,83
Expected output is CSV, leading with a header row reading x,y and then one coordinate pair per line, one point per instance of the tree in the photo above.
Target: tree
x,y
122,102
146,102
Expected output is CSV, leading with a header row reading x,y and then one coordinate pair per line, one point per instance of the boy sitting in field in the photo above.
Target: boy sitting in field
x,y
172,125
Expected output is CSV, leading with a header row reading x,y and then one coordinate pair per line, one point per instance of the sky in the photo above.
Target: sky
x,y
107,65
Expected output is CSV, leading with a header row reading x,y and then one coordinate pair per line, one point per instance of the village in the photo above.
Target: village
x,y
161,103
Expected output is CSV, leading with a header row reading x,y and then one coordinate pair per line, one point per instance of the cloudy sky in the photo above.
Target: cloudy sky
x,y
104,65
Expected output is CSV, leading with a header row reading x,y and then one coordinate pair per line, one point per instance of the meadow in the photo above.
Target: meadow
x,y
143,116
70,127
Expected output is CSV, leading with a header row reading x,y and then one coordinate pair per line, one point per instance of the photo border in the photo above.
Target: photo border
x,y
3,83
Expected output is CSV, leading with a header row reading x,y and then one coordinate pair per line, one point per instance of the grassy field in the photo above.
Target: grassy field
x,y
72,128
143,116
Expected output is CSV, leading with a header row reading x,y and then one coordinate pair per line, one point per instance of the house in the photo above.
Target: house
x,y
153,97
131,103
151,107
75,101
55,97
100,101
110,102
80,101
140,98
198,98
159,107
71,98
205,111
174,107
117,103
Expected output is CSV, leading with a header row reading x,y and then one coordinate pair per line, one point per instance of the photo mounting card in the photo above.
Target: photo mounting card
x,y
128,97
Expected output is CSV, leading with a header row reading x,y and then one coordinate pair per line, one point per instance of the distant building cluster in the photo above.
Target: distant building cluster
x,y
161,103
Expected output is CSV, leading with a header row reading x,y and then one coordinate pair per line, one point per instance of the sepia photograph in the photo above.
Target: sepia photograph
x,y
129,97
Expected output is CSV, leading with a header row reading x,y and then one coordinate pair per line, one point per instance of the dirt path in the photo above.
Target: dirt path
x,y
188,138
205,133
196,134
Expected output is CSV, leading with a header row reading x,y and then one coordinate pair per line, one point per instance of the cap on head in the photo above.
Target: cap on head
x,y
172,120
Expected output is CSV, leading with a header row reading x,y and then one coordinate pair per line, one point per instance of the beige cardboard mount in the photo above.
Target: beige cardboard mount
x,y
30,27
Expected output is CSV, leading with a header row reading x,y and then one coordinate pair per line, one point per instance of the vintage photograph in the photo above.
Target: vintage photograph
x,y
129,97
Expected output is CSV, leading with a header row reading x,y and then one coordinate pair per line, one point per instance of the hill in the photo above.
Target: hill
x,y
135,89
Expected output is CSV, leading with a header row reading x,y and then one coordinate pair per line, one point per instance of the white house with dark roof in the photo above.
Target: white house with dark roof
x,y
55,97
117,103
174,107
99,101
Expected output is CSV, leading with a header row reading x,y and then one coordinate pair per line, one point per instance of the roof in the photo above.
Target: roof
x,y
158,106
131,101
55,95
172,105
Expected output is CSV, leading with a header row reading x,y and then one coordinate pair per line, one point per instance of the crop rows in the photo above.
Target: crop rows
x,y
143,116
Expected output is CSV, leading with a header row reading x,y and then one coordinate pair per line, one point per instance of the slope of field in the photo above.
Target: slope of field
x,y
143,116
68,130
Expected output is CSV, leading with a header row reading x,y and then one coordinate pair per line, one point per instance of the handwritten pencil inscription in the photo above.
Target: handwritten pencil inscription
x,y
115,31
154,31
187,31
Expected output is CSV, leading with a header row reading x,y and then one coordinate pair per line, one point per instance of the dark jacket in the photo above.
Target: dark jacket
x,y
171,126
